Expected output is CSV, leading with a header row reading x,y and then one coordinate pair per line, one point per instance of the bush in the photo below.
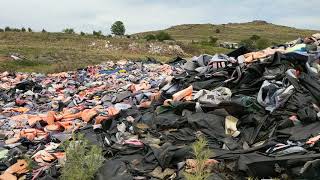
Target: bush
x,y
213,41
43,31
1,30
7,29
161,36
202,153
82,33
29,30
109,36
217,30
82,159
128,36
150,37
118,28
16,30
97,33
248,43
23,29
254,37
68,31
262,43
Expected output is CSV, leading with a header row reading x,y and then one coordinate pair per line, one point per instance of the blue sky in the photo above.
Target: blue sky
x,y
144,15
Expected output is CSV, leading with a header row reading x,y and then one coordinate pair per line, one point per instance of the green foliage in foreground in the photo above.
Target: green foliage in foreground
x,y
202,154
82,159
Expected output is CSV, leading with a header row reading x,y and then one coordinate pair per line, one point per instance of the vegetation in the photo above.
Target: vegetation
x,y
150,37
1,30
68,31
82,159
43,31
202,153
217,30
234,32
161,36
255,42
118,28
57,52
97,33
82,33
29,30
23,29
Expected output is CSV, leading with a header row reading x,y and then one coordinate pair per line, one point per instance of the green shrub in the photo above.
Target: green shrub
x,y
7,29
202,153
23,29
262,43
150,37
217,30
161,36
248,43
1,30
29,30
68,31
82,159
255,37
213,40
16,30
82,33
97,33
43,31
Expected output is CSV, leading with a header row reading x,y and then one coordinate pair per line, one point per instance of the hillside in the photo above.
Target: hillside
x,y
56,52
234,32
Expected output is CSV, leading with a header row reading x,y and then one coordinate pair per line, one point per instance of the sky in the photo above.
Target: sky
x,y
146,15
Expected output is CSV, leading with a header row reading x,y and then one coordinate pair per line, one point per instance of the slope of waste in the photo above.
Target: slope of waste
x,y
259,112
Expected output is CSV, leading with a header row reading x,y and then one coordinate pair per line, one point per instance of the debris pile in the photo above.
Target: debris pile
x,y
258,111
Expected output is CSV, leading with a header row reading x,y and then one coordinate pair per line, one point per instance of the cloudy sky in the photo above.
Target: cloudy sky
x,y
144,15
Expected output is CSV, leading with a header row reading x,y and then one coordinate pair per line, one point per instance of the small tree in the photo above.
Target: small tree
x,y
82,33
254,37
161,36
217,30
118,28
1,30
29,30
23,29
150,37
7,29
43,31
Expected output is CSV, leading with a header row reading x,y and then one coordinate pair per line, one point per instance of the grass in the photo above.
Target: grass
x,y
234,32
202,153
57,52
82,159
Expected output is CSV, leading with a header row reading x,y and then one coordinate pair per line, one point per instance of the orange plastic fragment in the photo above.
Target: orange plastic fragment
x,y
51,117
7,176
18,168
182,94
100,118
88,114
112,111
